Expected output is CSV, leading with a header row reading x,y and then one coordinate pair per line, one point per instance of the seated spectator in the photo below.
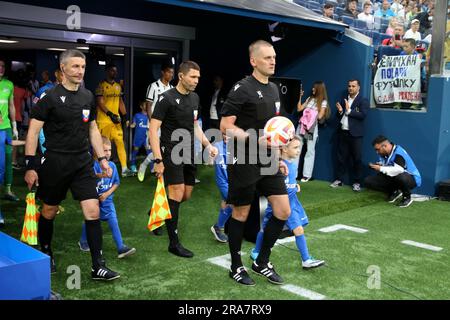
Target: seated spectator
x,y
392,23
396,6
397,38
351,9
385,11
413,32
397,174
404,14
366,15
328,10
425,19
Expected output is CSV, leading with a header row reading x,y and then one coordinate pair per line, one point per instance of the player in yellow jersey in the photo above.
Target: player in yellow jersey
x,y
109,103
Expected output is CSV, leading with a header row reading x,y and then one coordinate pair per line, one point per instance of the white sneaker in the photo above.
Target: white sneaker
x,y
336,183
312,263
356,187
305,179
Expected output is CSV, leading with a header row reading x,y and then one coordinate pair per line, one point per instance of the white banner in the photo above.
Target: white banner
x,y
398,80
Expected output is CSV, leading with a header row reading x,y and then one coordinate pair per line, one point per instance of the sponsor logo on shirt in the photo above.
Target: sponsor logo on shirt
x,y
277,107
178,101
63,98
260,96
237,87
86,113
161,98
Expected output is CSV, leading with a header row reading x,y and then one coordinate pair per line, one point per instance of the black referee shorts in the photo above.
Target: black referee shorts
x,y
178,173
61,171
240,193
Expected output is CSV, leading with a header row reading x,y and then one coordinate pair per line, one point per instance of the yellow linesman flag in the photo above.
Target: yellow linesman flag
x,y
160,208
30,224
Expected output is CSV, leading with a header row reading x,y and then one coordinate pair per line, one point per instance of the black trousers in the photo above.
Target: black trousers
x,y
349,152
381,182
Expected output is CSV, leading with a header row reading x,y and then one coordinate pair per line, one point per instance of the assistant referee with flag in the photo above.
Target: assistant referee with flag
x,y
67,114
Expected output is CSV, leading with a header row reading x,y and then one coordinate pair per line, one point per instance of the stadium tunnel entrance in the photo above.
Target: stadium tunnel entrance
x,y
217,37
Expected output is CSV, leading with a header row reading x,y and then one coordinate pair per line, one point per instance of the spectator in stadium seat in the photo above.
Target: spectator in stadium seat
x,y
397,38
391,27
328,10
367,15
351,9
409,47
397,174
413,32
396,6
425,19
385,11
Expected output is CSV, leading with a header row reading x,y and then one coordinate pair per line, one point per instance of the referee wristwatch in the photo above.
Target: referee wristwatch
x,y
158,161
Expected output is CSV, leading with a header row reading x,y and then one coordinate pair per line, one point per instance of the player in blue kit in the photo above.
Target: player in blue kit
x,y
105,188
298,219
220,169
140,125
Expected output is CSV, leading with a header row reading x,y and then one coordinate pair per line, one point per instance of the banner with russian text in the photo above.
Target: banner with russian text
x,y
398,80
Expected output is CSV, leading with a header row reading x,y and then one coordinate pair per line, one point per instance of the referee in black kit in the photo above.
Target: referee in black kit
x,y
176,113
67,115
250,104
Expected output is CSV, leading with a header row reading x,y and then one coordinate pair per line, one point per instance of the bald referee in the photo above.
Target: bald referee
x,y
249,105
67,115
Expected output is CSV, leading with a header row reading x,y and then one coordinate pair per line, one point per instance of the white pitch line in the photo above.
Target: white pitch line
x,y
225,262
337,227
285,240
303,292
421,245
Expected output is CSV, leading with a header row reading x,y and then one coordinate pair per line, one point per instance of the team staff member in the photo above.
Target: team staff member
x,y
7,124
67,114
178,108
250,104
110,102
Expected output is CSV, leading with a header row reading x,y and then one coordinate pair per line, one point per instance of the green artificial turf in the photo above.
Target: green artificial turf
x,y
406,272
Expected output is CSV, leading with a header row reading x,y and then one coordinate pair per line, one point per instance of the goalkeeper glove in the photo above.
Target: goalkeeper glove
x,y
114,117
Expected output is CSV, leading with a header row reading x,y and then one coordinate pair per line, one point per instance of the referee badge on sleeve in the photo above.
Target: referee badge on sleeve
x,y
86,113
277,107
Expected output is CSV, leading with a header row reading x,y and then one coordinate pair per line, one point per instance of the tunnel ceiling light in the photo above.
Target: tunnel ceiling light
x,y
8,41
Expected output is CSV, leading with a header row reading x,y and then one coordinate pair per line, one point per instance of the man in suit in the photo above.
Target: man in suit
x,y
217,100
352,111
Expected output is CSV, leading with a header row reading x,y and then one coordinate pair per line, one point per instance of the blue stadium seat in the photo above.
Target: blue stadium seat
x,y
318,11
339,11
347,20
335,17
301,2
360,24
387,51
314,5
376,38
322,2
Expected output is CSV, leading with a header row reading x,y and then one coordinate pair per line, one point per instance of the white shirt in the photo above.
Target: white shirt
x,y
412,35
154,90
213,110
368,18
344,120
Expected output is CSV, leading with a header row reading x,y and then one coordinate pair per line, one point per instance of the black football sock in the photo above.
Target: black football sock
x,y
235,235
94,237
45,234
271,233
172,224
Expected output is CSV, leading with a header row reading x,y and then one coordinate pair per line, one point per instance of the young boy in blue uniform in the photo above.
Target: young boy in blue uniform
x,y
5,140
220,169
298,219
140,123
105,188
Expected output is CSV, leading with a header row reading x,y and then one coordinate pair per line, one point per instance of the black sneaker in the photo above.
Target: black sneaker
x,y
395,196
241,276
267,271
406,201
104,273
181,251
158,232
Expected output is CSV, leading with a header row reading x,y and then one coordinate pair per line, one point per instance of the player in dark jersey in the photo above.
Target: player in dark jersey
x,y
67,114
176,113
249,105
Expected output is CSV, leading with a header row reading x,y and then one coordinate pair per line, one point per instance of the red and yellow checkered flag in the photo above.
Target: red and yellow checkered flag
x,y
30,224
160,208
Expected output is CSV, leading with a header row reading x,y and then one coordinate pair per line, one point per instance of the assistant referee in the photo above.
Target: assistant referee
x,y
67,113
